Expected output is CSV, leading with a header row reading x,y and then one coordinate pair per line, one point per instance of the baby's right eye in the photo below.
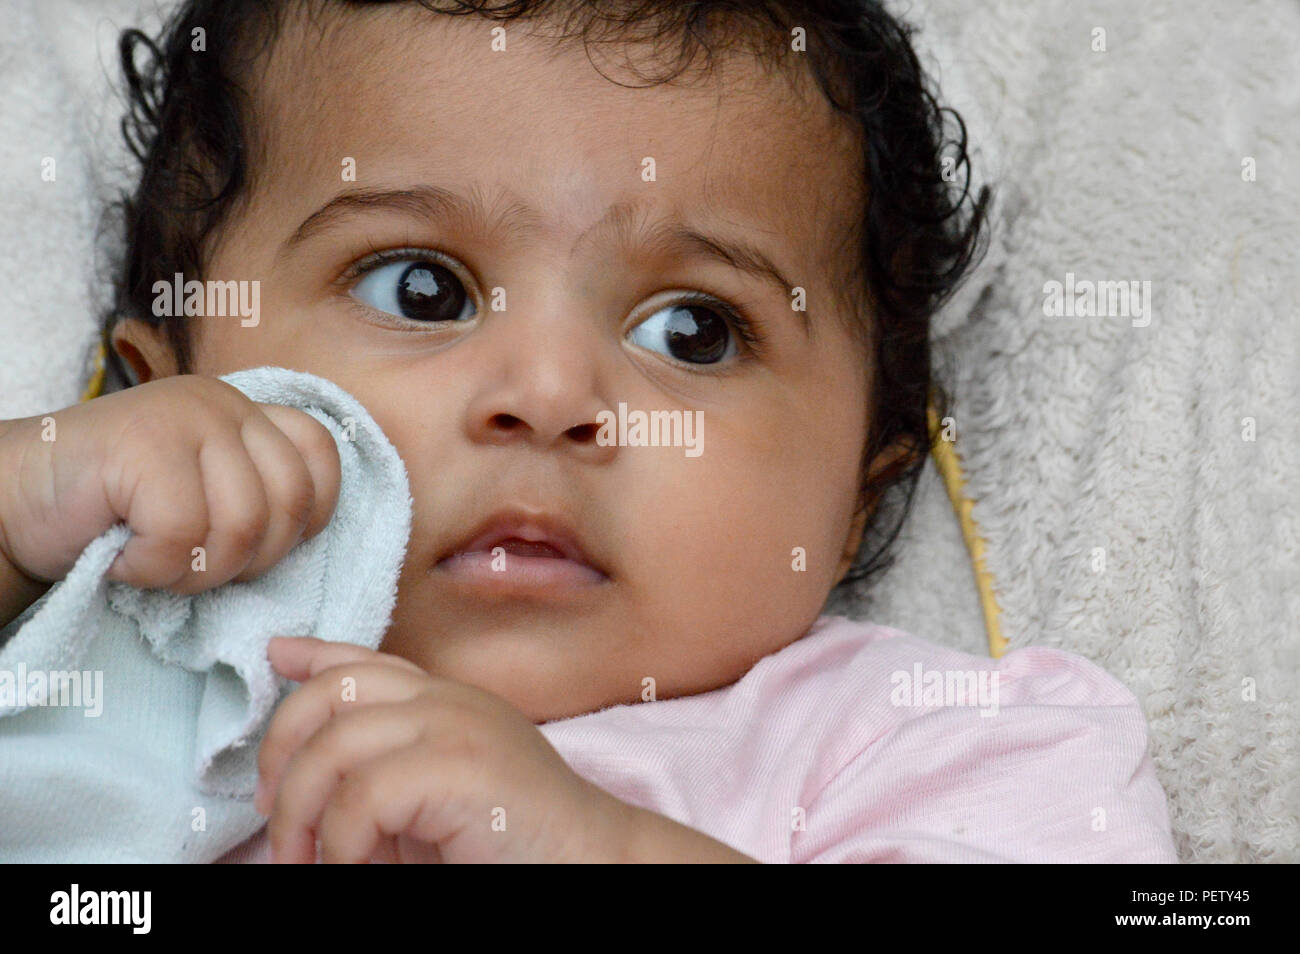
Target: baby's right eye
x,y
416,288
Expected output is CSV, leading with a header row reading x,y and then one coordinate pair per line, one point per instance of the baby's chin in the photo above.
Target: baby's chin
x,y
550,663
622,640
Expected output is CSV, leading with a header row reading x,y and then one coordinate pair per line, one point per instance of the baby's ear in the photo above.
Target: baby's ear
x,y
144,348
887,467
892,462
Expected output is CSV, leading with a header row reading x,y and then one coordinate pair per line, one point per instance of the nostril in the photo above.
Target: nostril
x,y
507,422
583,432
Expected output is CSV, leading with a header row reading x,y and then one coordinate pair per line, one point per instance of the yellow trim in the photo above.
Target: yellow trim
x,y
949,465
97,376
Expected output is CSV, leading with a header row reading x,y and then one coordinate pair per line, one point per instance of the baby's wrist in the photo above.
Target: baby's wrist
x,y
610,831
657,839
17,590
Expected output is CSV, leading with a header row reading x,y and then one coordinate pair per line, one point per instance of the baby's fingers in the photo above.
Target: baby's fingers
x,y
290,490
339,689
198,516
385,798
321,764
303,657
315,446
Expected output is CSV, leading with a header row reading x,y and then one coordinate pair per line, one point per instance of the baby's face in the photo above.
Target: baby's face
x,y
550,261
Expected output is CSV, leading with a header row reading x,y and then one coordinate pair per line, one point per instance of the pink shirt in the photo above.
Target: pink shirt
x,y
859,743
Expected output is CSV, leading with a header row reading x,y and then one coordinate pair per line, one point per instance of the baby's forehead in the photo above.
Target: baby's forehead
x,y
404,95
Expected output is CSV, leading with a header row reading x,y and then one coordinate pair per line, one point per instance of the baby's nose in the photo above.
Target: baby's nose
x,y
542,384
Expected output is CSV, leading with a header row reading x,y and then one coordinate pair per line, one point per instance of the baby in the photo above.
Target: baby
x,y
507,232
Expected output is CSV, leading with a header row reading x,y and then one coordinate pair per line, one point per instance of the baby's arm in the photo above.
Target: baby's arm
x,y
1060,773
185,462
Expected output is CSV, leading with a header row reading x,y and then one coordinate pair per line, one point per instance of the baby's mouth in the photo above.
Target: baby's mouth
x,y
521,553
530,548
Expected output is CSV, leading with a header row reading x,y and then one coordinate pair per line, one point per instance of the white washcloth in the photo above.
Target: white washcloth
x,y
166,770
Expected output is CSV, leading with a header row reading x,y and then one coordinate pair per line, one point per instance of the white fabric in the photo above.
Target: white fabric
x,y
161,764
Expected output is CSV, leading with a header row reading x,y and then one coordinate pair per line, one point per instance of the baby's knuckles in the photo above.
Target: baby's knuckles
x,y
490,757
114,438
504,762
320,700
72,474
176,412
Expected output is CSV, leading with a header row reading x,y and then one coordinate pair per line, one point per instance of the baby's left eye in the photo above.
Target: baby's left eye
x,y
690,332
417,289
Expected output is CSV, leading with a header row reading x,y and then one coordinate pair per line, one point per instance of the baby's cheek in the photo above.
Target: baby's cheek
x,y
786,563
748,562
786,520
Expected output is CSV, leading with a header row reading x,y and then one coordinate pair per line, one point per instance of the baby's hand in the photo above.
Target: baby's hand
x,y
381,761
185,462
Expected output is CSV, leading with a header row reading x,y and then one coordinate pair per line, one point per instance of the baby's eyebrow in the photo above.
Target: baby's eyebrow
x,y
625,220
420,201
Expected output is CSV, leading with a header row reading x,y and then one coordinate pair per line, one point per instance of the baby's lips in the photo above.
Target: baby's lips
x,y
543,534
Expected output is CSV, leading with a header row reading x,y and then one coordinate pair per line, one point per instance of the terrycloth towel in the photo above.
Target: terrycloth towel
x,y
166,768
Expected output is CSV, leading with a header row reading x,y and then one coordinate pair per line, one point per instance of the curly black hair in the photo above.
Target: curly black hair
x,y
921,229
